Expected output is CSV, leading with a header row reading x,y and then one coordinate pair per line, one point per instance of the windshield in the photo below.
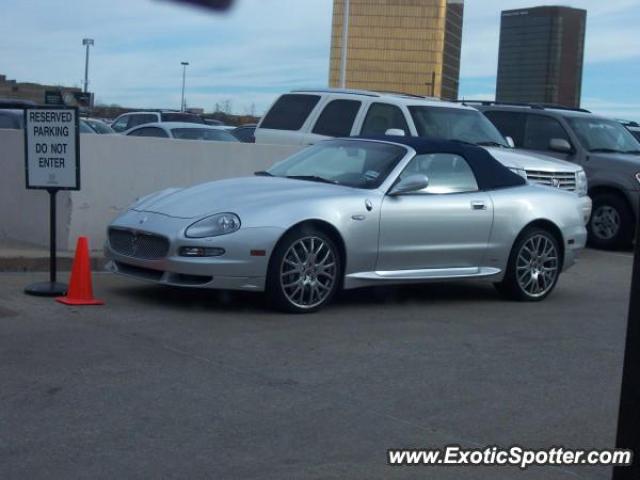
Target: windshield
x,y
601,135
85,128
344,162
203,134
456,124
100,127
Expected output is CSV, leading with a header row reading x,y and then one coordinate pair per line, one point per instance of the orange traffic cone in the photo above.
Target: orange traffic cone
x,y
80,290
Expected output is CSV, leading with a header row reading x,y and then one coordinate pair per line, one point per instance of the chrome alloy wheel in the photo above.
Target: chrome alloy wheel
x,y
537,266
605,222
308,272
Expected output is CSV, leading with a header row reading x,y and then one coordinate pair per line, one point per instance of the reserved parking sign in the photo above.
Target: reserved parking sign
x,y
52,148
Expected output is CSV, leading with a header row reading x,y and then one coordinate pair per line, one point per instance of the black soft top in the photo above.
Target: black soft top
x,y
490,173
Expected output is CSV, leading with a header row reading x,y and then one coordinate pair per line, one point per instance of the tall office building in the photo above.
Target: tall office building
x,y
410,46
541,55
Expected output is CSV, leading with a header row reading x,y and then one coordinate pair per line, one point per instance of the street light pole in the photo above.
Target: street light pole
x,y
184,76
345,43
87,42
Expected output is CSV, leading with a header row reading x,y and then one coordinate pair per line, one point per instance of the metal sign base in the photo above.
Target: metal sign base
x,y
46,289
52,288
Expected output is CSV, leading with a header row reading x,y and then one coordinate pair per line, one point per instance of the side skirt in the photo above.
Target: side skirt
x,y
363,279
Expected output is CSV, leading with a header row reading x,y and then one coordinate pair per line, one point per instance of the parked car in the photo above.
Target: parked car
x,y
127,121
633,127
354,213
182,131
609,154
305,117
98,126
14,119
85,127
11,119
245,133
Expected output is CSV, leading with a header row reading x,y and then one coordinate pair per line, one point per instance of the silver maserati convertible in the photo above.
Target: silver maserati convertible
x,y
351,213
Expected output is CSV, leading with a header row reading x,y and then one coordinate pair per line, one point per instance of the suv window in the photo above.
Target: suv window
x,y
447,173
290,112
149,132
120,125
336,120
510,124
381,117
463,124
541,130
599,134
180,117
141,119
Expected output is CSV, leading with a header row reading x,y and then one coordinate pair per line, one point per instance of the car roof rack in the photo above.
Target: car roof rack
x,y
16,103
365,93
629,123
534,106
401,94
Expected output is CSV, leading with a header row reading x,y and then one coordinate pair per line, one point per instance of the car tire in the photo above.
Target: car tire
x,y
611,224
304,271
534,266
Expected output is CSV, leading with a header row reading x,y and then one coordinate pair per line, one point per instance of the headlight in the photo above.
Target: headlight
x,y
519,171
582,185
213,226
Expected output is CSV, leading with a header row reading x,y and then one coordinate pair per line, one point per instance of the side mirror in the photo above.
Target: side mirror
x,y
560,145
412,183
510,142
395,132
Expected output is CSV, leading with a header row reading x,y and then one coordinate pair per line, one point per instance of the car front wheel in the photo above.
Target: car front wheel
x,y
534,267
304,271
611,223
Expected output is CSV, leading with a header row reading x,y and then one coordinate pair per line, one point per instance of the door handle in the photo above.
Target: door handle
x,y
478,205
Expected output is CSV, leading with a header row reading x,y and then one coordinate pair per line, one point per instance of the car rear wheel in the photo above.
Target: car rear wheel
x,y
611,223
534,267
304,271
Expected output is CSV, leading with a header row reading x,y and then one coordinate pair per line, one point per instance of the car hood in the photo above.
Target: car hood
x,y
526,160
235,195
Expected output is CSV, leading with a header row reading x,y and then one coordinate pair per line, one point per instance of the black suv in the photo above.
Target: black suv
x,y
608,152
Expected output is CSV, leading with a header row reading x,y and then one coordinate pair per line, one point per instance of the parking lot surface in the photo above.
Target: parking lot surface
x,y
163,383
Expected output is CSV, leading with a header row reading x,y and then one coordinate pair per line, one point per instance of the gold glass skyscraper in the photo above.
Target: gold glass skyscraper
x,y
400,46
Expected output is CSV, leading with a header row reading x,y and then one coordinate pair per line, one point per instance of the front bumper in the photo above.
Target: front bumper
x,y
236,269
585,207
576,237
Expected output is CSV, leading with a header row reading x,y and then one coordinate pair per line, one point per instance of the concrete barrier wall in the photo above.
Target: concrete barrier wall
x,y
115,171
24,214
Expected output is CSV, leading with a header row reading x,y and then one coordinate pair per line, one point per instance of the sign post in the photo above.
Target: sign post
x,y
52,163
629,414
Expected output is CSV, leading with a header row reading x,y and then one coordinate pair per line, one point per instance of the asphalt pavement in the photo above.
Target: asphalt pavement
x,y
164,383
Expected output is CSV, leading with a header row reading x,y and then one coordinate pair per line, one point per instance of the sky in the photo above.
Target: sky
x,y
262,48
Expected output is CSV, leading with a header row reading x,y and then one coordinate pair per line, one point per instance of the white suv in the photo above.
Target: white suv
x,y
127,121
304,117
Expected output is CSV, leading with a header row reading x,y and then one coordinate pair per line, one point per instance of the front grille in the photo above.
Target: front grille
x,y
562,180
137,244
